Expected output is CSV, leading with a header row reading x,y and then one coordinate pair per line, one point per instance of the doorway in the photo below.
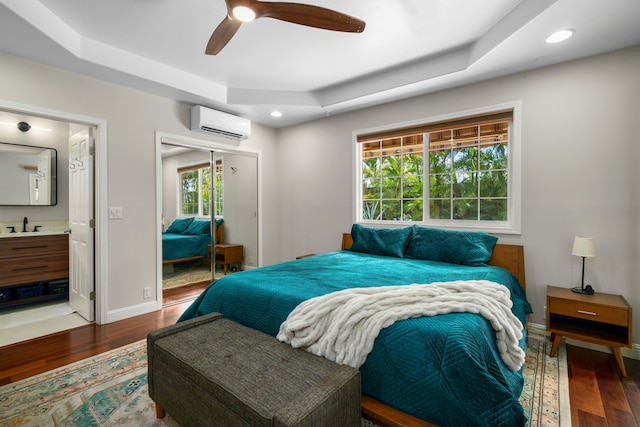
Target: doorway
x,y
64,123
234,201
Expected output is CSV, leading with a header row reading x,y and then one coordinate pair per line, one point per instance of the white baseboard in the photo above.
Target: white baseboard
x,y
136,310
631,353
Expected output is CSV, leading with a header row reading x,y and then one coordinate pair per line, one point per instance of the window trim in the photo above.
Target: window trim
x,y
512,225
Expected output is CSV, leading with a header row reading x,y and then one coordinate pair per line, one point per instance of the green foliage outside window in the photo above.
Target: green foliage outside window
x,y
393,187
196,192
219,192
206,192
190,192
467,175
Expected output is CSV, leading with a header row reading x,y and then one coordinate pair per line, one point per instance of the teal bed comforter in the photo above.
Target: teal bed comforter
x,y
444,369
178,246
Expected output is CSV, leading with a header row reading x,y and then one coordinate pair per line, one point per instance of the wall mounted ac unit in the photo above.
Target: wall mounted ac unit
x,y
215,122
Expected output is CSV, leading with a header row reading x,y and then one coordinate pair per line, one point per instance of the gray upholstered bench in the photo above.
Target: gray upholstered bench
x,y
212,371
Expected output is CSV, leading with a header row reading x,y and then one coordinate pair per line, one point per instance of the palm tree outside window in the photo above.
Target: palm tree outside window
x,y
465,163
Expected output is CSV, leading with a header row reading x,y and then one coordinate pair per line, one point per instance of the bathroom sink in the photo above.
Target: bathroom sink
x,y
30,234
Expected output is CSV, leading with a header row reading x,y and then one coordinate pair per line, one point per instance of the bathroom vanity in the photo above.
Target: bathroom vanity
x,y
33,268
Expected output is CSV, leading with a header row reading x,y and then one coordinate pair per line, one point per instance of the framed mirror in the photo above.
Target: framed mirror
x,y
28,175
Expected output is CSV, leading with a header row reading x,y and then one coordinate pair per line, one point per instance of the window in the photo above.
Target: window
x,y
219,190
195,190
468,163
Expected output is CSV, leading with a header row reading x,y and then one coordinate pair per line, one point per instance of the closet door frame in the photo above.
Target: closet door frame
x,y
217,147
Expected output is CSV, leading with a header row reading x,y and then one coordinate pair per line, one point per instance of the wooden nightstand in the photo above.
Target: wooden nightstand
x,y
602,319
228,254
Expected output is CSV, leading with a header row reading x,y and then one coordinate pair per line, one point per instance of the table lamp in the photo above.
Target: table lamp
x,y
586,248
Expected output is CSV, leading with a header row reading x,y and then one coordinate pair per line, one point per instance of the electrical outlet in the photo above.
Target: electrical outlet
x,y
115,213
146,293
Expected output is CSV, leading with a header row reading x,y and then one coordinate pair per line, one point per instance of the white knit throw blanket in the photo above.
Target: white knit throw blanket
x,y
342,325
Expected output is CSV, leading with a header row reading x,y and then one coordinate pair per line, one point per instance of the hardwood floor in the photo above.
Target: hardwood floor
x,y
22,360
599,397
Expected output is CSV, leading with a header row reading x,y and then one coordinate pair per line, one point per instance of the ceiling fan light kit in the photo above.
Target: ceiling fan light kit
x,y
239,11
244,14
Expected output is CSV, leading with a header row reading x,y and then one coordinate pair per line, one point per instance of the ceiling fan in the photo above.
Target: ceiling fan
x,y
239,11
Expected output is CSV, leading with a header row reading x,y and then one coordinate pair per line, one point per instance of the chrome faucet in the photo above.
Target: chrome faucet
x,y
24,224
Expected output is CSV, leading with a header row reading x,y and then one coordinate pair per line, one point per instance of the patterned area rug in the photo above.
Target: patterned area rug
x,y
545,395
185,273
111,389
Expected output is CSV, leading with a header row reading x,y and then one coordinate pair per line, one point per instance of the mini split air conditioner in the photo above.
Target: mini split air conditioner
x,y
215,122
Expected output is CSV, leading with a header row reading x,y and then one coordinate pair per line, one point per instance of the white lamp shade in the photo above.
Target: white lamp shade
x,y
584,247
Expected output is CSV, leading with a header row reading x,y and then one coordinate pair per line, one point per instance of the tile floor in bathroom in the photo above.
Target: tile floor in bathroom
x,y
26,323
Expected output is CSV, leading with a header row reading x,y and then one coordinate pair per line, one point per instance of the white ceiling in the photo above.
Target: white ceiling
x,y
408,47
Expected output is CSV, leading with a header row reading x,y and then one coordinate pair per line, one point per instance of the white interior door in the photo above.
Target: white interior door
x,y
81,239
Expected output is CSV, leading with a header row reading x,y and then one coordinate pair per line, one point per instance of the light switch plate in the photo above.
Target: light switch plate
x,y
115,213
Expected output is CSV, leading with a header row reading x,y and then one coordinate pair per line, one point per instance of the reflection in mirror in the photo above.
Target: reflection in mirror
x,y
27,175
236,204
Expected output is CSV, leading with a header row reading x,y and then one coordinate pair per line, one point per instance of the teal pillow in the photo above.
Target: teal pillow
x,y
380,241
179,225
199,226
472,248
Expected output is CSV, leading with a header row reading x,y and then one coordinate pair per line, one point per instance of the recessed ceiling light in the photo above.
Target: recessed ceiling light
x,y
276,114
244,14
560,36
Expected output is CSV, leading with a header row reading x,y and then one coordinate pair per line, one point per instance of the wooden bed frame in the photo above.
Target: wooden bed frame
x,y
509,257
219,238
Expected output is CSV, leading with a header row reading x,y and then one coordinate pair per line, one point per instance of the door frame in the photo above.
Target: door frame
x,y
99,192
221,147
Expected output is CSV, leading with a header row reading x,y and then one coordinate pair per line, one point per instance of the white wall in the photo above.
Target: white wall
x,y
580,151
132,118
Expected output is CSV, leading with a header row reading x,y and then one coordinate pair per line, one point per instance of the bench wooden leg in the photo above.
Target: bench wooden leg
x,y
159,412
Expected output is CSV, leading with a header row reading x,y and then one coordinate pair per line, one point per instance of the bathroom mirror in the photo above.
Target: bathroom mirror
x,y
28,175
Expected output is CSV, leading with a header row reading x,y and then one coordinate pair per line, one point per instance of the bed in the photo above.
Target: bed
x,y
444,370
189,239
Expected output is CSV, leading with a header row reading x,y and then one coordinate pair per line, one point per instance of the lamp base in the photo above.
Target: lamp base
x,y
588,290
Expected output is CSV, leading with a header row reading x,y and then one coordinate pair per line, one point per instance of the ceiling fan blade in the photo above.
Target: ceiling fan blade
x,y
309,15
222,35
